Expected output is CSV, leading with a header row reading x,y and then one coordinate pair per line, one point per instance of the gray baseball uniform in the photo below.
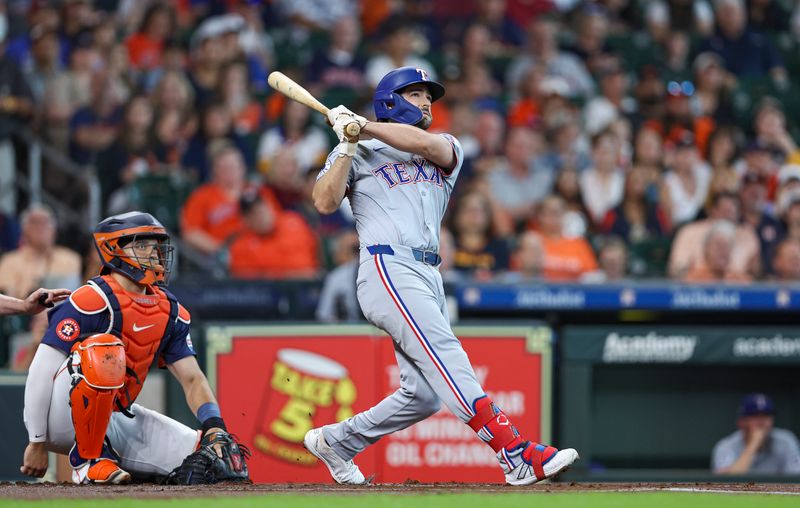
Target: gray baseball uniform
x,y
398,200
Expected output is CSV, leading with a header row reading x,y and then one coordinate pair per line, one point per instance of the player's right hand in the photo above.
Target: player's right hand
x,y
341,113
34,461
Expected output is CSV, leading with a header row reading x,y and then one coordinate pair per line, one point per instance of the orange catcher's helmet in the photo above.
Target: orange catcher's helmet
x,y
136,245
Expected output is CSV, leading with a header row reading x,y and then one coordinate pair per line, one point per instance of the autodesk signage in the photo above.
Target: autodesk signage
x,y
650,347
551,298
702,299
775,346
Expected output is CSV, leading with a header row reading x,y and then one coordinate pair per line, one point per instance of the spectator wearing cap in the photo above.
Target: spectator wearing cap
x,y
717,248
756,213
757,447
397,50
273,243
747,53
146,45
687,248
679,120
211,214
686,183
207,58
542,49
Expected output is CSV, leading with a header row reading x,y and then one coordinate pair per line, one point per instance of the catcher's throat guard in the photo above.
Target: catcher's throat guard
x,y
97,367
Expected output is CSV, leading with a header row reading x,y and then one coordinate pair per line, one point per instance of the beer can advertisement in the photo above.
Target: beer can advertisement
x,y
276,383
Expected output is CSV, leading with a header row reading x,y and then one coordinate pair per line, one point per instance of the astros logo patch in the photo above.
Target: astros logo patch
x,y
68,330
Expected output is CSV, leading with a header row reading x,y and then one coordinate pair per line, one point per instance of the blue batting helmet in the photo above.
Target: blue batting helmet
x,y
390,105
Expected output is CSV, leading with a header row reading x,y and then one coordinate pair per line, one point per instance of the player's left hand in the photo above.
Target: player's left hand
x,y
42,299
218,458
339,112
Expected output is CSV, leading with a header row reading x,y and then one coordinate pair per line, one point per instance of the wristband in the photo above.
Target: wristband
x,y
347,149
214,421
210,417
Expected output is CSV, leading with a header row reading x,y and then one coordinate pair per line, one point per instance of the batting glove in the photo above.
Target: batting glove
x,y
340,111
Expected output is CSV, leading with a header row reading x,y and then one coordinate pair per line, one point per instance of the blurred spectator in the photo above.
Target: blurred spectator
x,y
603,185
70,90
685,184
679,121
38,262
297,133
747,53
505,36
146,46
789,212
337,299
722,156
207,58
612,263
542,49
687,248
397,50
215,125
272,243
565,259
676,60
757,447
477,250
315,15
786,261
130,156
637,218
768,16
591,31
567,187
713,95
256,43
173,92
489,132
9,233
650,93
648,157
340,65
16,105
717,249
516,185
94,127
772,135
46,18
613,101
788,187
211,214
246,112
527,260
755,213
567,148
44,64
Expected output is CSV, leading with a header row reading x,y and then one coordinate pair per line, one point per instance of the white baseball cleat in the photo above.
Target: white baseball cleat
x,y
518,464
343,471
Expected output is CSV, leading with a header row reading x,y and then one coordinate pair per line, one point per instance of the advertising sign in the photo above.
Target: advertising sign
x,y
274,383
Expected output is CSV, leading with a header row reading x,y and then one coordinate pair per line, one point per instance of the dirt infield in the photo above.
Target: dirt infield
x,y
22,490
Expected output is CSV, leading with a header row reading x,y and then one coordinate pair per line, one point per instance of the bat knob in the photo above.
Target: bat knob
x,y
352,129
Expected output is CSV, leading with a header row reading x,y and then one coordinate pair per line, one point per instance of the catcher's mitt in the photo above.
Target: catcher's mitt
x,y
205,466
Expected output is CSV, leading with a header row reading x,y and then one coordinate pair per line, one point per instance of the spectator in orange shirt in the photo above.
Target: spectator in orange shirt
x,y
273,243
717,249
565,259
147,44
211,214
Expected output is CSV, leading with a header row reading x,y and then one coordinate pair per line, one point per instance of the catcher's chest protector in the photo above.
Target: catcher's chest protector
x,y
142,321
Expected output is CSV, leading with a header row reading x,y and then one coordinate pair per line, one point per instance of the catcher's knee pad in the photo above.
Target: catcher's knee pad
x,y
493,426
97,367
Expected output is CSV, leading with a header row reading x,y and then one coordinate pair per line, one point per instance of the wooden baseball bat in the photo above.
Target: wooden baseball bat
x,y
288,87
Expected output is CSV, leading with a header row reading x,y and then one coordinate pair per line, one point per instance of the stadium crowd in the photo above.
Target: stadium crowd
x,y
603,140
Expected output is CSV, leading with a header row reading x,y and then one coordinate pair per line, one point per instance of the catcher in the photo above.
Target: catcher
x,y
94,358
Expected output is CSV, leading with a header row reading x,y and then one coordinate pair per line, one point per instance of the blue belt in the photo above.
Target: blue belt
x,y
423,256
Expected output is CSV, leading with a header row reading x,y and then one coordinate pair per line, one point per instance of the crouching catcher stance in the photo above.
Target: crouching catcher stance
x,y
93,361
398,184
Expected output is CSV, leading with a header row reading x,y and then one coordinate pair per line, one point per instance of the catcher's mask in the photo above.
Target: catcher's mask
x,y
136,245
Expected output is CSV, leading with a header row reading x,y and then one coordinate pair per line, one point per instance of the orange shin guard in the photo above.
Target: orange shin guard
x,y
97,367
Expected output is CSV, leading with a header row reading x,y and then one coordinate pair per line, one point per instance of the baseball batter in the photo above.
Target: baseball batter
x,y
398,184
